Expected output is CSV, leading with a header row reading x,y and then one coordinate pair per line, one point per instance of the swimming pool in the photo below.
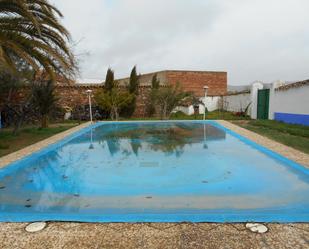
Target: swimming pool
x,y
155,172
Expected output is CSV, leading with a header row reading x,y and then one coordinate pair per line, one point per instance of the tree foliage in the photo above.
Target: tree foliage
x,y
134,82
44,99
150,107
17,109
113,101
155,82
109,80
133,88
166,99
31,31
112,98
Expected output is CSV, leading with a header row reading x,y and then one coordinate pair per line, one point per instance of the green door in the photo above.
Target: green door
x,y
263,104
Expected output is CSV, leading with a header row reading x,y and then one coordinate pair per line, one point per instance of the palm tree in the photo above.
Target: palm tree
x,y
44,99
30,30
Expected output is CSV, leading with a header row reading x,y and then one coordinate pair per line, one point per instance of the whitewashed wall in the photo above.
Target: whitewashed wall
x,y
292,100
237,102
186,110
212,104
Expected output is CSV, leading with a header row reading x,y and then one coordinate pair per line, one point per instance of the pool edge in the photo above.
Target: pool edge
x,y
18,155
279,148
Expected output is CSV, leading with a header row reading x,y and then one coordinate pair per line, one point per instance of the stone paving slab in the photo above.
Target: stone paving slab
x,y
68,235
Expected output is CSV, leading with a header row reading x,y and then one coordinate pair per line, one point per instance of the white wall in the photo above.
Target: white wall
x,y
256,86
186,110
237,102
212,104
292,100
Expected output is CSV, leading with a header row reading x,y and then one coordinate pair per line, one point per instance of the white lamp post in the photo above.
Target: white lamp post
x,y
89,92
206,90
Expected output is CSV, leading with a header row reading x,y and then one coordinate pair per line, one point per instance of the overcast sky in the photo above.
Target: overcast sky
x,y
250,39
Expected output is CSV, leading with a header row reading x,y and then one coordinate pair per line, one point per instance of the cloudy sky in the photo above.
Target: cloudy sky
x,y
250,39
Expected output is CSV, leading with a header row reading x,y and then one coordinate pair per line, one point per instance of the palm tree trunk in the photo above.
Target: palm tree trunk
x,y
44,121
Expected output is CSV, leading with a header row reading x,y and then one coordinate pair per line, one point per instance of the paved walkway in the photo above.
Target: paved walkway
x,y
154,235
158,235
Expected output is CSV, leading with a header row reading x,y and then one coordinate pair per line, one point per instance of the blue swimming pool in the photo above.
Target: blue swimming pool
x,y
155,172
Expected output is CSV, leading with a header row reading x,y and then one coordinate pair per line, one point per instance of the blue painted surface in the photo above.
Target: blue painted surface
x,y
155,172
291,118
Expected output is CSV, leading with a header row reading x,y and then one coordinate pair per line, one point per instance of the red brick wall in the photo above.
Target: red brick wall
x,y
194,81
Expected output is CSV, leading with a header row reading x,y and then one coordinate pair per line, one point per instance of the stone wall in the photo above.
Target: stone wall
x,y
74,95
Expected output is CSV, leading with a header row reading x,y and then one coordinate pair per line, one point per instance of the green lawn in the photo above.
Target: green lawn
x,y
296,136
27,136
210,116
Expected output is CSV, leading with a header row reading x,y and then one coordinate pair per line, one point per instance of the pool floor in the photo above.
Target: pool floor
x,y
155,172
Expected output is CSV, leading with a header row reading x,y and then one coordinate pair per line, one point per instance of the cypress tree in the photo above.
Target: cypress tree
x,y
155,83
133,89
134,82
109,81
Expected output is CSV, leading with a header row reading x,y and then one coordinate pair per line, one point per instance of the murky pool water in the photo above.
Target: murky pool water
x,y
157,171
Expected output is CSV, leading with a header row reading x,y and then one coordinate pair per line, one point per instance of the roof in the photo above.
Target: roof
x,y
293,85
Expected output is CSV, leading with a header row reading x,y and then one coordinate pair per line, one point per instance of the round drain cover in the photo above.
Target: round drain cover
x,y
256,227
35,227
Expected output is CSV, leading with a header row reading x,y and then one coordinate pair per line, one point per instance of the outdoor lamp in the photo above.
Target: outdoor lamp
x,y
89,92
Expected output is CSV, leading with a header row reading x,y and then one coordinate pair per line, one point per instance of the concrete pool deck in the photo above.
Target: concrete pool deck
x,y
153,235
156,235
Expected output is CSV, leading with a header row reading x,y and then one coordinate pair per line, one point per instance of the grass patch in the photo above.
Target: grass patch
x,y
215,115
27,136
296,136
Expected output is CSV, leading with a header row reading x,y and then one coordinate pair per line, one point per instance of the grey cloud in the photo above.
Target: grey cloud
x,y
252,39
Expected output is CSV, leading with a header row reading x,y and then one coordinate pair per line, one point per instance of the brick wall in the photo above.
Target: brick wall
x,y
194,81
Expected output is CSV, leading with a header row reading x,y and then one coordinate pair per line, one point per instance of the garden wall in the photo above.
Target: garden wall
x,y
194,81
236,102
191,81
74,95
290,103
